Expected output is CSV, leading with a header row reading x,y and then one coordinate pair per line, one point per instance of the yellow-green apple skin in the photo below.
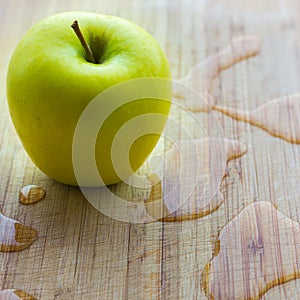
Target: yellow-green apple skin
x,y
50,83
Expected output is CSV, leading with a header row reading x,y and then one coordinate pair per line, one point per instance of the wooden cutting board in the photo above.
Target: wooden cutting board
x,y
241,244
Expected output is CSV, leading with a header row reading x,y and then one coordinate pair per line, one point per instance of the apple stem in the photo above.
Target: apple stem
x,y
89,54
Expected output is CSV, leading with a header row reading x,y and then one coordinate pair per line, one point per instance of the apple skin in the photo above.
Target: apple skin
x,y
49,84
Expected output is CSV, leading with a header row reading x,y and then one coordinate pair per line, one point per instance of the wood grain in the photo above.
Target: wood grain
x,y
262,255
82,254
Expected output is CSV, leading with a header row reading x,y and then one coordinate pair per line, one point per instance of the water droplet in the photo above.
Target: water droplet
x,y
257,250
15,236
193,173
30,194
201,77
14,294
279,117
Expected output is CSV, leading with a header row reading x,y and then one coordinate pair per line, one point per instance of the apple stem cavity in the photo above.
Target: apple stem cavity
x,y
89,53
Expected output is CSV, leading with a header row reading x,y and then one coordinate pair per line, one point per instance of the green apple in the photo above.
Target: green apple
x,y
54,74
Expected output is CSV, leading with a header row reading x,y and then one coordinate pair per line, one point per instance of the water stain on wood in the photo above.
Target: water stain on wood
x,y
254,252
15,294
193,173
279,117
15,236
31,194
201,77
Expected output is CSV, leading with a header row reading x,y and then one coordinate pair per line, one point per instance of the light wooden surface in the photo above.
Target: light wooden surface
x,y
82,254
